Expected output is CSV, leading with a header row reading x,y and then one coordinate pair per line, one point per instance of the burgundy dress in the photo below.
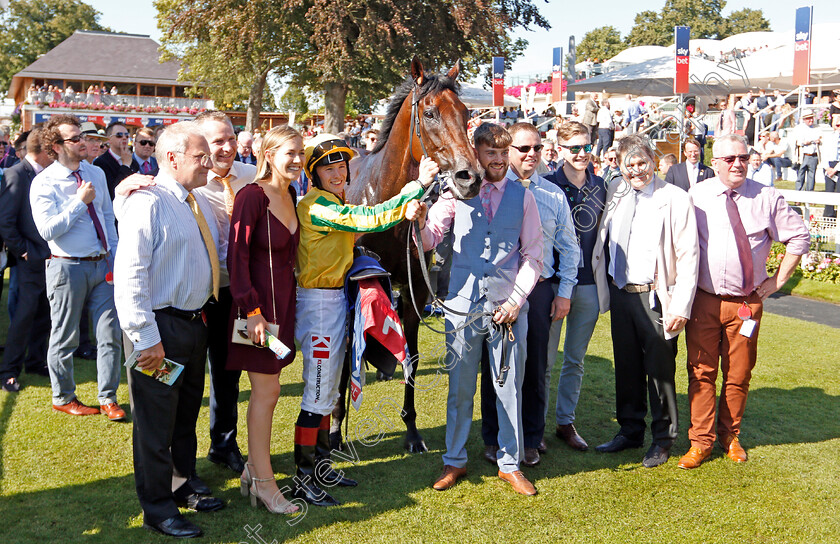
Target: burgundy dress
x,y
250,277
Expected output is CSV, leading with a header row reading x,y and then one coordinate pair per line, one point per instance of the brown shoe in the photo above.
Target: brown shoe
x,y
490,454
532,457
519,482
542,448
694,458
113,411
76,408
735,451
570,436
449,477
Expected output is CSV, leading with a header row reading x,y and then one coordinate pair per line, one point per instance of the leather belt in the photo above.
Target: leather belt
x,y
636,287
189,315
79,259
809,154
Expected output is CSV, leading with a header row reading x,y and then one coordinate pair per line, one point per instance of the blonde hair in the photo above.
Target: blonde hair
x,y
275,138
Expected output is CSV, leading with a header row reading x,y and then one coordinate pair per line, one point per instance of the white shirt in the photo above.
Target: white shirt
x,y
604,118
830,151
764,174
241,175
116,157
692,170
804,134
162,260
644,237
35,166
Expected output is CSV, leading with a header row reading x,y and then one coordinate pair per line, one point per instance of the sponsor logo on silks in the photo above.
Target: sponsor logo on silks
x,y
320,352
802,36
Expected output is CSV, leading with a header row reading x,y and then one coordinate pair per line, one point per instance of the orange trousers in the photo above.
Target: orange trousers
x,y
713,342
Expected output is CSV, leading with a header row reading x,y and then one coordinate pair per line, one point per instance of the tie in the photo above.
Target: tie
x,y
145,168
229,196
525,182
485,200
208,242
92,213
623,241
741,241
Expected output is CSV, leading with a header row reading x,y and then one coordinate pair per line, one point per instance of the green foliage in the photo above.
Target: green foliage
x,y
705,19
814,266
293,99
601,43
31,28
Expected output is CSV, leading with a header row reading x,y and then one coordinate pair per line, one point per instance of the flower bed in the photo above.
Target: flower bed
x,y
124,108
815,265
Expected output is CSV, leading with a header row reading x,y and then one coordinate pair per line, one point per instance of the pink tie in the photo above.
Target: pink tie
x,y
741,241
485,200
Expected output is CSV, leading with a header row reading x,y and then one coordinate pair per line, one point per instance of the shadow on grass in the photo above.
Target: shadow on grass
x,y
5,416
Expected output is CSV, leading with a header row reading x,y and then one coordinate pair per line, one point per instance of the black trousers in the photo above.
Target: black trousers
x,y
165,417
224,384
29,330
831,186
643,357
533,384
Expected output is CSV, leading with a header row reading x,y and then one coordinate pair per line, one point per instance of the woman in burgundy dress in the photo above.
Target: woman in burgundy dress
x,y
264,238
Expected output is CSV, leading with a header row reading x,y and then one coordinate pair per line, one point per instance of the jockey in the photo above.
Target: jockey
x,y
325,254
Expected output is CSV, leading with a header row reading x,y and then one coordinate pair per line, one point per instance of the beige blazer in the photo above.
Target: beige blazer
x,y
677,261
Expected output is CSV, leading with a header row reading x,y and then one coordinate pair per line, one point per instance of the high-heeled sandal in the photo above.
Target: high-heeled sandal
x,y
273,505
245,481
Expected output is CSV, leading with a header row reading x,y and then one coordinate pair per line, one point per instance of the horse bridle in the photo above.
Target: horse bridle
x,y
414,232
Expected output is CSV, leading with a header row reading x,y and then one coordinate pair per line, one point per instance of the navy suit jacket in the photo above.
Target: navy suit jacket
x,y
114,171
135,166
16,224
678,175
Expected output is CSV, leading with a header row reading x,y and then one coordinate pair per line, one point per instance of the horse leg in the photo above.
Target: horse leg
x,y
411,325
340,409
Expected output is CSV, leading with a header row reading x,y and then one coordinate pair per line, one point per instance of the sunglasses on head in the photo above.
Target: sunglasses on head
x,y
730,159
527,148
145,142
575,149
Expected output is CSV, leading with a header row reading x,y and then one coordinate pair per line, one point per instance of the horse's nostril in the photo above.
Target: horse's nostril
x,y
463,175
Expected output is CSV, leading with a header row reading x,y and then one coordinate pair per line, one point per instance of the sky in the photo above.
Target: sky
x,y
566,18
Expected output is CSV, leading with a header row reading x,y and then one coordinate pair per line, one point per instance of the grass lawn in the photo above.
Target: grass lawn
x,y
70,480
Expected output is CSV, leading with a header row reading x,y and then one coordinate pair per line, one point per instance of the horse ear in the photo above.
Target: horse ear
x,y
455,70
416,70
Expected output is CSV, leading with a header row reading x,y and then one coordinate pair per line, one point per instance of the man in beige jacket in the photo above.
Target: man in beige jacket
x,y
651,232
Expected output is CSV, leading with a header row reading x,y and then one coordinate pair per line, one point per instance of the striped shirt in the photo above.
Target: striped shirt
x,y
162,260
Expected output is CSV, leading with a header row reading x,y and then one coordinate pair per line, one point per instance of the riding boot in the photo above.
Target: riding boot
x,y
325,474
306,436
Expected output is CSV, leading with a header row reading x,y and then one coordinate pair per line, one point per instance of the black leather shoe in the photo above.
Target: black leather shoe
x,y
656,456
198,485
490,454
311,493
195,501
329,477
231,459
176,526
39,371
619,443
11,385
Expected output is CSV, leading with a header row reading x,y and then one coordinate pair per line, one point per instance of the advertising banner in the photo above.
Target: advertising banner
x,y
681,55
557,75
498,82
802,46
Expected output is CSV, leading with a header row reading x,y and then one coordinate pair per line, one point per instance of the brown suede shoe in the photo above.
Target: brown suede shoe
x,y
449,477
113,411
569,435
490,454
532,457
694,458
519,482
76,408
735,451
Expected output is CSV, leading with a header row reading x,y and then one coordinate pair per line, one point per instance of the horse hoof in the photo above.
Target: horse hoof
x,y
416,445
336,444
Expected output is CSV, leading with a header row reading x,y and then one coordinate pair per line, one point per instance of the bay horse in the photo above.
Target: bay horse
x,y
424,116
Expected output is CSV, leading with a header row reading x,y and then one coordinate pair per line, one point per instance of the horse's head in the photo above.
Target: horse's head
x,y
439,129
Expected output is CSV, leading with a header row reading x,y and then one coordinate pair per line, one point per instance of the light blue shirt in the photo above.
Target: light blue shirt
x,y
162,260
558,233
62,219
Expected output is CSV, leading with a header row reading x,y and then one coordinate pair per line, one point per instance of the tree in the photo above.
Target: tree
x,y
705,19
601,43
334,45
293,99
31,28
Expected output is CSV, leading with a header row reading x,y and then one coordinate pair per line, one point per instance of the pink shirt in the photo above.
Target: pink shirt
x,y
530,238
766,218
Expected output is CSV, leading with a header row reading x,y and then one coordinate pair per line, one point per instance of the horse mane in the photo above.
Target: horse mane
x,y
432,84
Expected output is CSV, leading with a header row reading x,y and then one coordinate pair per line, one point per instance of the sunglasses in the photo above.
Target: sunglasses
x,y
75,139
527,148
120,134
4,144
611,159
575,149
730,159
145,142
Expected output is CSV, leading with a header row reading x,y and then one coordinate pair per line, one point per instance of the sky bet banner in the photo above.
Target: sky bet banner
x,y
802,46
498,82
557,75
681,37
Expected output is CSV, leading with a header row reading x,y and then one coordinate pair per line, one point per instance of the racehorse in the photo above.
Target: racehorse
x,y
424,116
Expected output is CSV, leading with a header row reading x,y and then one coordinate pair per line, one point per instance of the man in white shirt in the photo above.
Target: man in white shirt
x,y
774,153
808,139
759,171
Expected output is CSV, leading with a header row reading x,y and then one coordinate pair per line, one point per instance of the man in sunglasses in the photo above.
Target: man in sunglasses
x,y
143,159
737,220
116,162
647,281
